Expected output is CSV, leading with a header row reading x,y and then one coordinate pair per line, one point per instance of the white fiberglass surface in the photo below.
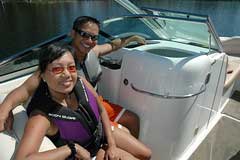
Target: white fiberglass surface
x,y
172,49
164,119
8,86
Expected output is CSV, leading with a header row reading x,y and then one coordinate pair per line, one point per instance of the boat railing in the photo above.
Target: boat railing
x,y
168,96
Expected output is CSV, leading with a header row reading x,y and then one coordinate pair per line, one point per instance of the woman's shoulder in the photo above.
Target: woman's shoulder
x,y
40,100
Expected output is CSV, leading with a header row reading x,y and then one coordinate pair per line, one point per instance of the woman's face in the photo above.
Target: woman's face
x,y
85,43
61,74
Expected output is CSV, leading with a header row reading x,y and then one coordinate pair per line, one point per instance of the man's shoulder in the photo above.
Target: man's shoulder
x,y
95,50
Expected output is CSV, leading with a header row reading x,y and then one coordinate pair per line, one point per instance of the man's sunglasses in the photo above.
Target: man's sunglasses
x,y
86,34
59,70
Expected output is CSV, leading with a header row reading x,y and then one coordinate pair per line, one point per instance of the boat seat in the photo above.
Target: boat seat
x,y
231,45
233,71
10,140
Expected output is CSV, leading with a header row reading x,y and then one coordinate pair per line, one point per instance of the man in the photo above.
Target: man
x,y
84,35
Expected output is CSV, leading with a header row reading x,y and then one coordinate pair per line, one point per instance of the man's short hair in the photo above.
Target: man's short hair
x,y
80,21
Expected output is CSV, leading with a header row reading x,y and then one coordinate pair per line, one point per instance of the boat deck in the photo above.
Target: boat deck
x,y
223,142
233,107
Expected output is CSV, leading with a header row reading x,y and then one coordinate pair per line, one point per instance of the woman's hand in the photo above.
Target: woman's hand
x,y
82,153
112,153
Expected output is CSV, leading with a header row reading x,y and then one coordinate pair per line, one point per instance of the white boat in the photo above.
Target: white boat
x,y
183,83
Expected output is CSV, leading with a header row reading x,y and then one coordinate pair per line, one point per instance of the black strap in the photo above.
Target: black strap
x,y
92,81
97,140
84,106
84,68
71,145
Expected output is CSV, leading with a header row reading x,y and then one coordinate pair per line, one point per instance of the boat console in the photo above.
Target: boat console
x,y
166,87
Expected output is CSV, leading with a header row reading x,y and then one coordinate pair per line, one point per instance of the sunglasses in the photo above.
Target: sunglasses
x,y
86,35
59,70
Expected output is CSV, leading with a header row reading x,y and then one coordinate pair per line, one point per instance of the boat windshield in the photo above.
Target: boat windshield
x,y
26,62
195,32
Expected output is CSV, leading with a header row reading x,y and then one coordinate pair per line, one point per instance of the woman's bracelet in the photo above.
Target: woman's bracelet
x,y
71,145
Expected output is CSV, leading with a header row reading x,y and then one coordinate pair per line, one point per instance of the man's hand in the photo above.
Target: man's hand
x,y
9,121
6,121
138,39
122,42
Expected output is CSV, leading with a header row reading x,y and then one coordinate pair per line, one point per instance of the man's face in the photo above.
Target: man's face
x,y
84,39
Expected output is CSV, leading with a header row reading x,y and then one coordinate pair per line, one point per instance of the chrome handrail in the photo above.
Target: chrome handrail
x,y
167,96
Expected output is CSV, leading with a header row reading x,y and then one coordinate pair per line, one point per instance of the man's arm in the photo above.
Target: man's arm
x,y
116,44
18,96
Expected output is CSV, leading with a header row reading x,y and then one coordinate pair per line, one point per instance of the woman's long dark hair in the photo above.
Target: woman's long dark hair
x,y
51,53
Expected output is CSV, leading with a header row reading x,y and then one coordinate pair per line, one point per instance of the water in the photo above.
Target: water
x,y
25,24
225,14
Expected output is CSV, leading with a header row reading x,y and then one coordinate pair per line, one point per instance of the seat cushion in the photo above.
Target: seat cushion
x,y
10,140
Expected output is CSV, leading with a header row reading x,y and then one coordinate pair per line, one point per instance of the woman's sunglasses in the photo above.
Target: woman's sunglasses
x,y
59,70
86,34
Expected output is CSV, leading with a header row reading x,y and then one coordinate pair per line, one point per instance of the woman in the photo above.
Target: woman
x,y
68,110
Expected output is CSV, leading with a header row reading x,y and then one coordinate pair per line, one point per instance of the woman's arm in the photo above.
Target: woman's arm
x,y
18,96
35,130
